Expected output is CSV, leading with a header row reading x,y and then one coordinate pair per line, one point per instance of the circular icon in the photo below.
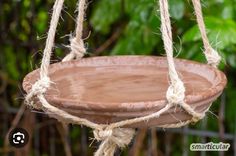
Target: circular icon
x,y
18,137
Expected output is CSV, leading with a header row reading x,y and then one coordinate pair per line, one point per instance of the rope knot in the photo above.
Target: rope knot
x,y
176,93
102,135
77,49
39,87
212,56
111,139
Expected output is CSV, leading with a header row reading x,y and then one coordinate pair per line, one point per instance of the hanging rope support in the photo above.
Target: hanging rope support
x,y
212,56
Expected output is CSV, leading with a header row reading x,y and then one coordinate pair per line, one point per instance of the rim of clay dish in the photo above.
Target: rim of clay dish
x,y
218,81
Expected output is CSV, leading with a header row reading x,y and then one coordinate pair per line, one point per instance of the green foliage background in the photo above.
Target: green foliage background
x,y
24,24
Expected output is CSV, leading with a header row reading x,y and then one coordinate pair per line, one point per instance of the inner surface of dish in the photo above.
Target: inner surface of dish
x,y
119,84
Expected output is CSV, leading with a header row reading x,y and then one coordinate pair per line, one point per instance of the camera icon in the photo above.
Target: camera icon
x,y
18,137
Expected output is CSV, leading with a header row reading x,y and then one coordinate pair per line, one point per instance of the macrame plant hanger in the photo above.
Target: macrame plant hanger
x,y
114,135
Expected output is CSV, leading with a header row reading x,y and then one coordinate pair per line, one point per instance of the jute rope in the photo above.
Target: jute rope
x,y
212,56
111,136
41,86
77,44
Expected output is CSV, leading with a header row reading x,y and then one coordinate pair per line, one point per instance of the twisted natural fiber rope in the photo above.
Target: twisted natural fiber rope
x,y
111,136
50,39
212,56
77,44
41,86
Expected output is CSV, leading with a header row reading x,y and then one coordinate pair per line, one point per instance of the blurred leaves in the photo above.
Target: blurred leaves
x,y
40,19
11,65
139,36
177,8
223,30
105,14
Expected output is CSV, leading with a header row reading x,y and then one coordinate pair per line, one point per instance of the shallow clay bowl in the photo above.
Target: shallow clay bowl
x,y
110,89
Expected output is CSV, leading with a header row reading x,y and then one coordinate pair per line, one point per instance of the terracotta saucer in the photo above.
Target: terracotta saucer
x,y
114,88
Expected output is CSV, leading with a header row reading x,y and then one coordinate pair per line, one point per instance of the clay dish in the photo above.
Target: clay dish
x,y
110,89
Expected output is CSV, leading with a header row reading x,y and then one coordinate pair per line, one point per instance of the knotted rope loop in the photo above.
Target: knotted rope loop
x,y
175,96
77,50
112,139
102,134
76,43
77,47
212,56
39,87
176,93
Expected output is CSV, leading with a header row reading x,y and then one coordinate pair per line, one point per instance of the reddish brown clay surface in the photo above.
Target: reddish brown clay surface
x,y
109,89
